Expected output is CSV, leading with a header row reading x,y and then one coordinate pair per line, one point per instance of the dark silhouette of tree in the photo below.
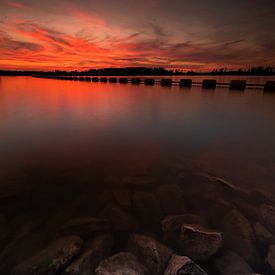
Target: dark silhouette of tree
x,y
135,71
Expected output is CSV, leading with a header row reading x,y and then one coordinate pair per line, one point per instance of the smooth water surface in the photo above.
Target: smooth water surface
x,y
45,121
70,149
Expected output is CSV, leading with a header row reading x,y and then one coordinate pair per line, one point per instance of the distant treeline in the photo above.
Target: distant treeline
x,y
132,71
251,71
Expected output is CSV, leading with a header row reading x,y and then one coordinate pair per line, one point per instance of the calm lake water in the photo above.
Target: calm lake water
x,y
45,122
58,135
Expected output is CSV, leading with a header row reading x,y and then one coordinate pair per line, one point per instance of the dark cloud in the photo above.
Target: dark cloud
x,y
7,43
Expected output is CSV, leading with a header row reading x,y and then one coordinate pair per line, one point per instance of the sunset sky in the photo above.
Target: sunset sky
x,y
184,34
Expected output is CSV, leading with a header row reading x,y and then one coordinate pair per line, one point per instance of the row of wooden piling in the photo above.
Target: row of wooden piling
x,y
187,83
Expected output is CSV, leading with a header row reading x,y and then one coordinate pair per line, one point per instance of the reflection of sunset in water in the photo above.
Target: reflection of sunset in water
x,y
85,158
84,120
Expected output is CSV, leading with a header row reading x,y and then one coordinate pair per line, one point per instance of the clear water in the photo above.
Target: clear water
x,y
46,121
57,134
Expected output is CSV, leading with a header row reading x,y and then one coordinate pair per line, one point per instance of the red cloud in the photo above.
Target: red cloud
x,y
17,5
45,48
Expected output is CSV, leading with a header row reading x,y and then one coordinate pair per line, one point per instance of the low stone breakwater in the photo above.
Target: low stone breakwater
x,y
240,85
177,219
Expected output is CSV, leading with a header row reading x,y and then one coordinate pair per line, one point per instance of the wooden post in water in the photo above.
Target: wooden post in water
x,y
149,81
166,82
209,84
269,86
237,85
186,83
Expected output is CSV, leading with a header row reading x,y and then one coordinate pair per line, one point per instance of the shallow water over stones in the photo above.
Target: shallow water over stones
x,y
200,216
104,162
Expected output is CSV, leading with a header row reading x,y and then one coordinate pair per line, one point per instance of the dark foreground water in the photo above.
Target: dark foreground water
x,y
91,158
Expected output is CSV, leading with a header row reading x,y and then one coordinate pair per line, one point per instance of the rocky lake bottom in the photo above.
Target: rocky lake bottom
x,y
110,178
172,218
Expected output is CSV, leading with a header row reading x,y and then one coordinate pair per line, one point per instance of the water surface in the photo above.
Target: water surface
x,y
65,145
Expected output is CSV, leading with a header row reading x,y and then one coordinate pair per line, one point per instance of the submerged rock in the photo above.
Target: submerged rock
x,y
250,211
52,259
113,181
199,243
239,237
136,181
217,209
171,198
171,227
122,263
230,263
182,265
147,207
262,234
271,257
22,246
152,253
268,216
106,197
122,198
4,229
120,221
94,252
85,226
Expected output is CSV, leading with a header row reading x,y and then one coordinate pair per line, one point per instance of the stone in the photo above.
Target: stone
x,y
85,226
269,86
171,227
149,81
135,81
217,209
52,259
106,197
113,80
182,265
122,263
120,221
123,80
113,181
154,255
251,212
199,243
22,246
267,213
138,181
171,199
97,250
209,84
262,234
271,257
238,236
166,82
147,207
4,229
122,198
185,83
230,263
237,84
